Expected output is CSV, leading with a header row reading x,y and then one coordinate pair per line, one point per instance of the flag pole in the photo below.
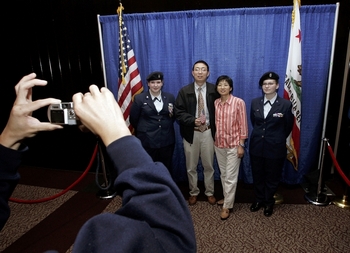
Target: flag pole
x,y
341,107
320,163
319,198
108,191
101,48
129,78
293,84
120,12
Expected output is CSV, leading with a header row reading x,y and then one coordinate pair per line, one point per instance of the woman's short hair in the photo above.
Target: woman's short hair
x,y
225,78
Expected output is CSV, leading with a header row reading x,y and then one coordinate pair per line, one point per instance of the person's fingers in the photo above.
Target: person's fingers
x,y
24,87
77,101
35,105
94,89
24,80
77,98
46,126
110,97
29,81
105,89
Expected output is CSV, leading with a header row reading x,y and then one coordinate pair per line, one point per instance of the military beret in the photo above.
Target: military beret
x,y
268,75
155,76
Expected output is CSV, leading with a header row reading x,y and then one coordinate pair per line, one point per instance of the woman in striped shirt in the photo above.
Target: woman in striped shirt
x,y
231,133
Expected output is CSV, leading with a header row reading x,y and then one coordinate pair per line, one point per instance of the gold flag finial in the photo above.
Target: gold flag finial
x,y
120,8
293,12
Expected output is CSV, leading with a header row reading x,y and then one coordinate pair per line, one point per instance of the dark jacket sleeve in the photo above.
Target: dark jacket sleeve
x,y
212,95
154,216
185,111
9,162
185,106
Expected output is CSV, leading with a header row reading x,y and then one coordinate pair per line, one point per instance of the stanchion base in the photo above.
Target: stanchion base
x,y
319,200
278,198
342,202
325,189
106,194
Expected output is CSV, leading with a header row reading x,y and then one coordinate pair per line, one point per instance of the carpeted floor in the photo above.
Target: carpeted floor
x,y
292,228
296,225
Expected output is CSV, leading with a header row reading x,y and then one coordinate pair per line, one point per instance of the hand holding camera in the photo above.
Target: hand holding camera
x,y
96,110
62,114
100,113
21,124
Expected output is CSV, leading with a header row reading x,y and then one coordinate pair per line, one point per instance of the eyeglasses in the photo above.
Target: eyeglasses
x,y
200,69
268,84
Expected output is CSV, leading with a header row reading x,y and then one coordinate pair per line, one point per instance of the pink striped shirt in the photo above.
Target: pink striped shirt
x,y
231,122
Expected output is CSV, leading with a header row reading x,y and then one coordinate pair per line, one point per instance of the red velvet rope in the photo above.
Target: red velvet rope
x,y
347,181
62,192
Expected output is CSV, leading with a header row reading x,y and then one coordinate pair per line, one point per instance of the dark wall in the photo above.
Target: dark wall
x,y
58,39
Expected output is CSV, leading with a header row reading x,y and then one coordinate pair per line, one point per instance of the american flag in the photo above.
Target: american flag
x,y
292,84
129,81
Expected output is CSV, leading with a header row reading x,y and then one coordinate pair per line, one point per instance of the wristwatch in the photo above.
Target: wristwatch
x,y
242,145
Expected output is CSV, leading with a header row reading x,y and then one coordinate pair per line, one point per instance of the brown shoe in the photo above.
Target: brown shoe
x,y
192,200
225,213
211,200
220,202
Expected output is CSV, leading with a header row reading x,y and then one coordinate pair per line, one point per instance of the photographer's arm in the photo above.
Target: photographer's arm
x,y
154,216
20,125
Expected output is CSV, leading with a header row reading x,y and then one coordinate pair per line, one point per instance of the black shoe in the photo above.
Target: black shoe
x,y
268,210
256,206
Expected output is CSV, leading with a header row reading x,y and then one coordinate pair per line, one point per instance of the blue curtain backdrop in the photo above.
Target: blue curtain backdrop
x,y
243,43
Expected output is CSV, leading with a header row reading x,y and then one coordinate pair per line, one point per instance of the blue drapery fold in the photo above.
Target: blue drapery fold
x,y
243,43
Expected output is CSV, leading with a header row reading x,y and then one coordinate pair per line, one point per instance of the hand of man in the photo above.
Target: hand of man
x,y
101,114
21,124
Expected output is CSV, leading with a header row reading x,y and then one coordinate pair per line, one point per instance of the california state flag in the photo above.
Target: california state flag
x,y
292,84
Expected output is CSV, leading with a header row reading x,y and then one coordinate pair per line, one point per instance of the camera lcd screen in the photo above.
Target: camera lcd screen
x,y
57,116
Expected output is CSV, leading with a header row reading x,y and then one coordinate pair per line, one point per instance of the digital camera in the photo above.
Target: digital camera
x,y
62,114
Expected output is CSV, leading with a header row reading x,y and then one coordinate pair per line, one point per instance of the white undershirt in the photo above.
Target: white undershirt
x,y
158,102
267,105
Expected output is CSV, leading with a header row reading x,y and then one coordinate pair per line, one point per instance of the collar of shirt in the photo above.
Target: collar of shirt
x,y
272,100
159,97
196,86
229,99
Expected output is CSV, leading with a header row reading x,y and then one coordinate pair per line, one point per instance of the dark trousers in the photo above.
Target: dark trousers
x,y
266,178
164,155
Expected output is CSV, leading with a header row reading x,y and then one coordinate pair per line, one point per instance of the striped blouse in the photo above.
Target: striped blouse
x,y
231,122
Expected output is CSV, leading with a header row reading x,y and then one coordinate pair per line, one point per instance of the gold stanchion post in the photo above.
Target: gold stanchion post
x,y
278,198
343,202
